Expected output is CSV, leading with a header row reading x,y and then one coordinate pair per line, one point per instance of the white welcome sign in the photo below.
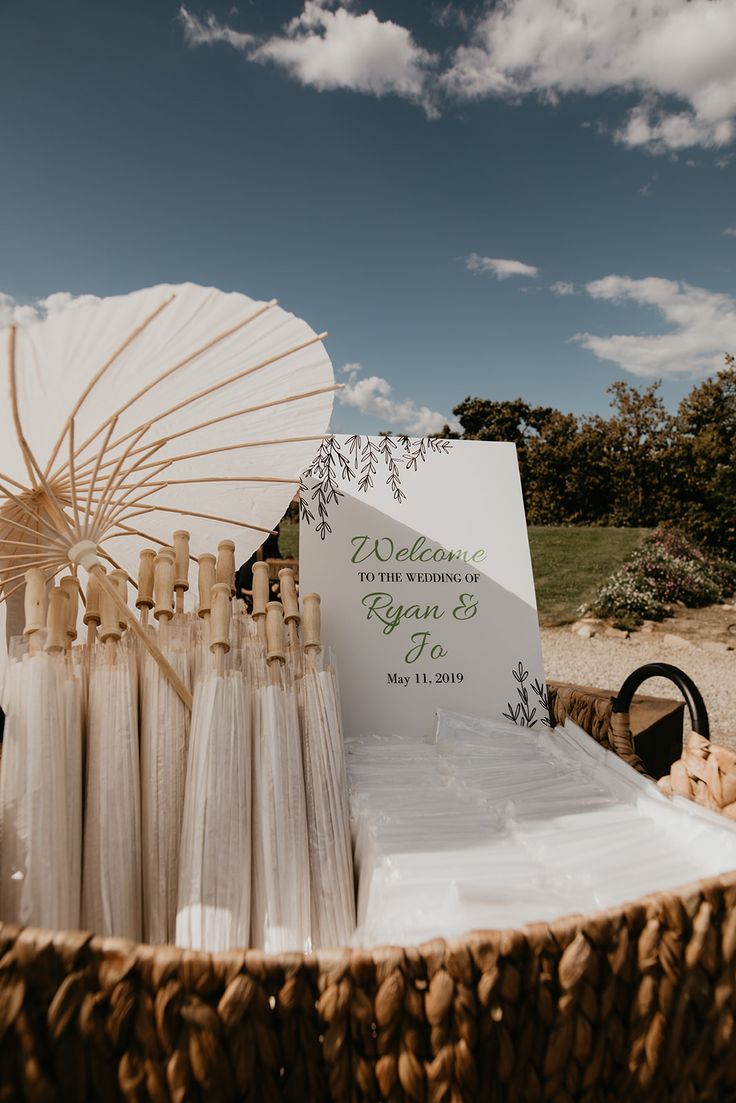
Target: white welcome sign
x,y
419,550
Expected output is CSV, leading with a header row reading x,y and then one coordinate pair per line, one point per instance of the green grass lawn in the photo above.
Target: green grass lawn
x,y
569,563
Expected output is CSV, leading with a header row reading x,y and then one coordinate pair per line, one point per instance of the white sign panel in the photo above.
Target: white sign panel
x,y
419,550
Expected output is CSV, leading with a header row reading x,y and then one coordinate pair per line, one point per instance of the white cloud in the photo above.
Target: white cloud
x,y
372,395
703,328
657,48
561,287
208,31
661,132
498,267
12,311
329,49
730,231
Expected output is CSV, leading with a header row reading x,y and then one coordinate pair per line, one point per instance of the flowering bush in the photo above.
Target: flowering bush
x,y
666,569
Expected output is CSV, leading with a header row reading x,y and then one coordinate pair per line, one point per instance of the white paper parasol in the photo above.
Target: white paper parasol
x,y
281,903
214,894
172,401
164,731
326,787
111,876
41,774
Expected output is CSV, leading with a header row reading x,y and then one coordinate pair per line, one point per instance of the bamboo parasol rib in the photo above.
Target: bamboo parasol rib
x,y
233,447
172,370
96,378
144,427
228,416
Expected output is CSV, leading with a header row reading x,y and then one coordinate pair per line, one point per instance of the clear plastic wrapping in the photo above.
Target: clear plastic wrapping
x,y
164,738
213,911
281,892
111,878
41,792
491,825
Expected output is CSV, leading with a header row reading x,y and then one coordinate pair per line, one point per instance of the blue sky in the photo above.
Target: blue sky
x,y
532,198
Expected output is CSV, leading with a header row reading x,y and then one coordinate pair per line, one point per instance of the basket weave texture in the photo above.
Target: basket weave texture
x,y
706,773
637,1003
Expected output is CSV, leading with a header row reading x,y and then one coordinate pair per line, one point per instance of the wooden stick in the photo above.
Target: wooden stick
x,y
6,523
12,333
221,479
70,586
220,625
73,487
117,506
141,512
129,531
109,485
108,587
144,601
232,447
42,553
47,563
163,591
287,585
311,625
241,413
105,555
219,386
208,517
274,640
181,568
261,594
93,481
14,482
121,484
92,615
122,503
98,376
33,513
182,363
28,456
22,544
9,594
35,604
101,519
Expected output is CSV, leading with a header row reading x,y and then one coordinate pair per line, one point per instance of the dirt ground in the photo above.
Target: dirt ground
x,y
715,622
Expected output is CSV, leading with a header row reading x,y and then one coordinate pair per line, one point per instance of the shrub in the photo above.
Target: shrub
x,y
666,569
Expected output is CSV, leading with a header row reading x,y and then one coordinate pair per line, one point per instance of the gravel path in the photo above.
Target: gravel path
x,y
604,662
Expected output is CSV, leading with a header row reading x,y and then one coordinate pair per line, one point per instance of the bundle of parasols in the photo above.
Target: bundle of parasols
x,y
123,813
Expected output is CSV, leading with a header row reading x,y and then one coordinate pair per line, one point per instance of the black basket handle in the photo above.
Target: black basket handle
x,y
685,684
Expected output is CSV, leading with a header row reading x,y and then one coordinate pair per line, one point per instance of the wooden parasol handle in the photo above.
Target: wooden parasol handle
x,y
110,589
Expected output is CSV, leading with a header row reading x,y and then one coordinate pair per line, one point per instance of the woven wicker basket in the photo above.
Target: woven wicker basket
x,y
636,1003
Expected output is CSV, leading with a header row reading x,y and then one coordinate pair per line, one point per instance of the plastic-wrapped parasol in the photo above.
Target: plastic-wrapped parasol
x,y
41,772
281,902
215,860
111,874
325,781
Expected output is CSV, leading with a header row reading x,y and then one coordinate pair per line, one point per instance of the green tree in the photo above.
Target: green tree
x,y
701,484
